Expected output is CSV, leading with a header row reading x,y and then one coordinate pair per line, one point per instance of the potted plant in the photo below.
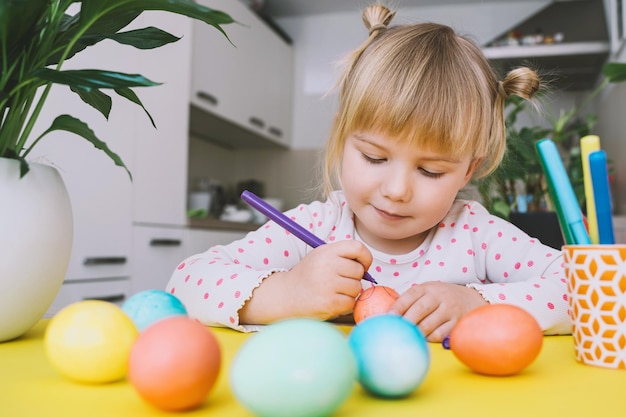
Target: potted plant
x,y
518,184
36,38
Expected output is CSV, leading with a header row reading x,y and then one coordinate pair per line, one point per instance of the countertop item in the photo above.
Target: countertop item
x,y
217,224
554,385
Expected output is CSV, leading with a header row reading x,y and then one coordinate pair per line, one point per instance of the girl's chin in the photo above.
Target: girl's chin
x,y
392,243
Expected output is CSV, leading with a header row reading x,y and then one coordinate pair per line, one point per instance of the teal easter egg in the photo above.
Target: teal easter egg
x,y
294,368
392,355
150,306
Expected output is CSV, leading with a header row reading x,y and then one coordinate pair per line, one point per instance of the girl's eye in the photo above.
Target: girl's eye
x,y
372,160
431,174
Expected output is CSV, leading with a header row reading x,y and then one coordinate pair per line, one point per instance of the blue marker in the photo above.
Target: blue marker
x,y
601,196
563,195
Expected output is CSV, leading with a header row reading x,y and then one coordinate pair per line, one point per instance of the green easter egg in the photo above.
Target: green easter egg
x,y
294,368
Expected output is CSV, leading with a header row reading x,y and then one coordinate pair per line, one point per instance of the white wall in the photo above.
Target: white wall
x,y
321,41
611,110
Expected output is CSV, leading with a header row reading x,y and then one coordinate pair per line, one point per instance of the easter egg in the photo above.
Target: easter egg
x,y
294,368
174,363
147,307
375,300
89,341
392,355
496,339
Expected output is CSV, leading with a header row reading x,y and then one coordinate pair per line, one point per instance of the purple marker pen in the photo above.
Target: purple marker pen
x,y
288,224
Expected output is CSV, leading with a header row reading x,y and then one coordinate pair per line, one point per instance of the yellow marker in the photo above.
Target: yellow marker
x,y
589,144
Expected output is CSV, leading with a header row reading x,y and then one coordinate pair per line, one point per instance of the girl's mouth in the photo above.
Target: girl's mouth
x,y
389,216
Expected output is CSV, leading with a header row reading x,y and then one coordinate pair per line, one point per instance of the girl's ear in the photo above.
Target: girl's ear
x,y
474,163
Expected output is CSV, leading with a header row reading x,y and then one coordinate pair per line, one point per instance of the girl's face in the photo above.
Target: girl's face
x,y
398,191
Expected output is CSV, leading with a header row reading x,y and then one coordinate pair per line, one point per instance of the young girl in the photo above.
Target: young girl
x,y
420,113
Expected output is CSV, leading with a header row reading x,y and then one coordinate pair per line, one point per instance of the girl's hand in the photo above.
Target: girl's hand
x,y
323,285
437,306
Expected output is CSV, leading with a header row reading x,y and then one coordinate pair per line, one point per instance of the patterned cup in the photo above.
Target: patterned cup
x,y
596,282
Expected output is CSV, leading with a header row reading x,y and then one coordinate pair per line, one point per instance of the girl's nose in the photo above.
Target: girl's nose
x,y
397,185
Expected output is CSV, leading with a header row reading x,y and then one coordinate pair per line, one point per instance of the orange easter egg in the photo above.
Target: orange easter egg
x,y
373,301
174,363
497,339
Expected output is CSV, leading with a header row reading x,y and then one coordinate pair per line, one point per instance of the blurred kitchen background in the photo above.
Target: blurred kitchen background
x,y
256,113
569,40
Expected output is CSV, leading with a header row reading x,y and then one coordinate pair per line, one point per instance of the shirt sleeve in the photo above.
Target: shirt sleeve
x,y
216,284
518,269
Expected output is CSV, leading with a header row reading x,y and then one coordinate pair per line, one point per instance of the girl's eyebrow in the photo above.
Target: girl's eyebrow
x,y
361,138
435,158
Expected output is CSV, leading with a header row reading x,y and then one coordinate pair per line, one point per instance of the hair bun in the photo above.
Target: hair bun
x,y
377,17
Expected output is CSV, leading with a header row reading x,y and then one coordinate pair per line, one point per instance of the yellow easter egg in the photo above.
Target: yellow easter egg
x,y
90,341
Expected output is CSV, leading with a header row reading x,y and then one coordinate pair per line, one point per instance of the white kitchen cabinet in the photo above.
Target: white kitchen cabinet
x,y
247,83
156,253
114,290
100,192
159,250
159,166
200,240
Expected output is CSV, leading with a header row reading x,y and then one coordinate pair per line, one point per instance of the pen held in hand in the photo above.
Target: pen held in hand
x,y
288,224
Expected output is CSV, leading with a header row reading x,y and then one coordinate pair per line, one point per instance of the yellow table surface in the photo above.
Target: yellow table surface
x,y
554,385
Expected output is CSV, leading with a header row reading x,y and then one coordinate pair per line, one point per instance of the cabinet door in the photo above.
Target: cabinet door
x,y
221,74
248,84
272,60
100,192
199,240
159,250
156,253
111,290
160,163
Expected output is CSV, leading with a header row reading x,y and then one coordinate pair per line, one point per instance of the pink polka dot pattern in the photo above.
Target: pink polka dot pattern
x,y
468,246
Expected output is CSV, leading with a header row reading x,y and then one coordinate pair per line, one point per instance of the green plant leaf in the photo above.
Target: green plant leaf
x,y
94,78
24,168
38,36
615,71
146,38
17,22
187,8
501,209
130,95
95,98
73,125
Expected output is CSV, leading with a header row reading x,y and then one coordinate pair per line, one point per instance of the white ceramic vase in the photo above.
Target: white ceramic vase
x,y
36,233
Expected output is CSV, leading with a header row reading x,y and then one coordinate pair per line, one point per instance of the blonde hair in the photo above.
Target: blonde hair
x,y
426,84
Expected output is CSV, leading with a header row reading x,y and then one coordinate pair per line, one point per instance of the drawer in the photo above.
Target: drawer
x,y
115,290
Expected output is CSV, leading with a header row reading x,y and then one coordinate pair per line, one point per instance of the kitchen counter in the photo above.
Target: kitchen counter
x,y
554,385
216,224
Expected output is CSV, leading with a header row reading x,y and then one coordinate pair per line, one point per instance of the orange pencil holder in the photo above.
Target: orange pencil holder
x,y
596,282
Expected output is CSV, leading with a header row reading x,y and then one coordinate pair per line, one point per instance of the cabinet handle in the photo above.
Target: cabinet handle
x,y
113,298
209,98
275,131
105,260
255,121
165,242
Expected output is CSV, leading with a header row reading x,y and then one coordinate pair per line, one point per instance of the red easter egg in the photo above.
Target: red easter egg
x,y
373,301
174,363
